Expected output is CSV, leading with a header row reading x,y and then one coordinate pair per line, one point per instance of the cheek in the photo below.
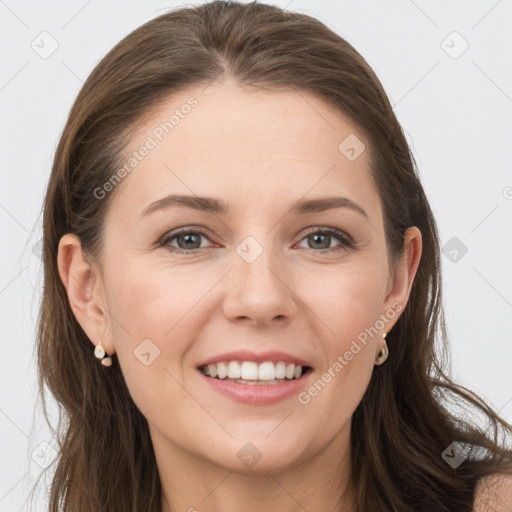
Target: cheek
x,y
152,318
151,310
349,302
349,308
154,296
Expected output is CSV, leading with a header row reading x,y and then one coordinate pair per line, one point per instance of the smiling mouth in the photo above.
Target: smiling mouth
x,y
264,374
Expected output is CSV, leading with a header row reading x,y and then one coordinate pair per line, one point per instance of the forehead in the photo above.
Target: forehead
x,y
225,139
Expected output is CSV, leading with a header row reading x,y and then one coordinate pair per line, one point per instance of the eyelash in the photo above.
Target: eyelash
x,y
346,241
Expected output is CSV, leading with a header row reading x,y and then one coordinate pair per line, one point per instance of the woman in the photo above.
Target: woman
x,y
235,228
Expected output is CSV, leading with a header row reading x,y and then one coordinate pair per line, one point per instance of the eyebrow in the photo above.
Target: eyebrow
x,y
219,207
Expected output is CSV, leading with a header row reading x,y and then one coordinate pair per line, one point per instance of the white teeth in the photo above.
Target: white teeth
x,y
266,371
222,370
251,371
233,370
280,370
212,370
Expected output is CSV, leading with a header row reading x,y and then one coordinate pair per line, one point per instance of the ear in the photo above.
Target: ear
x,y
85,292
400,284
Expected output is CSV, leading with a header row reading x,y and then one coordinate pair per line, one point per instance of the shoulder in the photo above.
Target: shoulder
x,y
493,492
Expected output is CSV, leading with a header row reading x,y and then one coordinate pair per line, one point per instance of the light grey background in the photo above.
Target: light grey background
x,y
456,111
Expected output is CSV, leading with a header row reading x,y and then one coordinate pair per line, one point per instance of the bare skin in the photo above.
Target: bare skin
x,y
259,151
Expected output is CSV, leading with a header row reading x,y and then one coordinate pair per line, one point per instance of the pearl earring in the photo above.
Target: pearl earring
x,y
99,352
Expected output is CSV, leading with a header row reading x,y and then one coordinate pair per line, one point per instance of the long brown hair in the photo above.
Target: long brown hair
x,y
403,424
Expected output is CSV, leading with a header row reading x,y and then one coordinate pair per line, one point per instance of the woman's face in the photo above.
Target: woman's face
x,y
257,282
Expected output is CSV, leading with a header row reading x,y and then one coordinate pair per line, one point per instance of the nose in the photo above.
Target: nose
x,y
259,292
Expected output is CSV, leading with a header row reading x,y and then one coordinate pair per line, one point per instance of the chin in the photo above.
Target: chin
x,y
259,456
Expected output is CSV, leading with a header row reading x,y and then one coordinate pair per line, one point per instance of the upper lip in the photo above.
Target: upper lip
x,y
260,357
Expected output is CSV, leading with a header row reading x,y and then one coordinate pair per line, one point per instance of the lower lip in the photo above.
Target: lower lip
x,y
257,394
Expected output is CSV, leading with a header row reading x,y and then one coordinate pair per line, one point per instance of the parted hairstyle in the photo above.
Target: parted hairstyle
x,y
405,420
